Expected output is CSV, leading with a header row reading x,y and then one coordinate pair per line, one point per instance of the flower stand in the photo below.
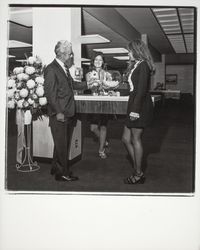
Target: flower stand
x,y
24,142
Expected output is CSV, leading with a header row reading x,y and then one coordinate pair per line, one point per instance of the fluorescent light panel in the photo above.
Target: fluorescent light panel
x,y
85,59
166,15
168,20
11,56
22,16
86,63
163,9
18,44
95,38
171,25
21,60
167,29
112,50
123,58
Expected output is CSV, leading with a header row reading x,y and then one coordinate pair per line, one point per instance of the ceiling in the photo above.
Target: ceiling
x,y
169,30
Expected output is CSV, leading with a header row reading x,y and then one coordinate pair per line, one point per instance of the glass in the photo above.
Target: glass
x,y
78,74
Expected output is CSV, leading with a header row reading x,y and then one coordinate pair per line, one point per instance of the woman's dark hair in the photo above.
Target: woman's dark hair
x,y
94,55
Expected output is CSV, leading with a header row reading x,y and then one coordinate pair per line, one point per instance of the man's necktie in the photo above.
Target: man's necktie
x,y
68,75
67,70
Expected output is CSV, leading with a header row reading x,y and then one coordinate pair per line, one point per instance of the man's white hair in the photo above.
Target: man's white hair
x,y
62,47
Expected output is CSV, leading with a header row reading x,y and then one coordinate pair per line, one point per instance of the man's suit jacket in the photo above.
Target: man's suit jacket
x,y
58,90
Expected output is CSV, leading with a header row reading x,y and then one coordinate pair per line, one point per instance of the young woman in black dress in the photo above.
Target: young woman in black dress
x,y
140,106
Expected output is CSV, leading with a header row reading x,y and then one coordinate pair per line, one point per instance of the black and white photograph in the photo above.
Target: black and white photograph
x,y
97,120
99,125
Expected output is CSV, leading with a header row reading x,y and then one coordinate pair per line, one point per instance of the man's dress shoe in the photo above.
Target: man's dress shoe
x,y
54,171
65,178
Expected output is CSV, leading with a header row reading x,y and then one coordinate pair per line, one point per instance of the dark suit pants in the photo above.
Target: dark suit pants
x,y
62,133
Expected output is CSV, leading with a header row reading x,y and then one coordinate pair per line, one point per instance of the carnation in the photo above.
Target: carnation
x,y
40,91
20,76
94,75
39,80
95,84
25,104
38,60
23,93
20,103
34,96
11,104
30,84
30,101
10,93
42,101
13,77
25,77
19,84
29,70
11,83
18,70
17,96
31,60
35,105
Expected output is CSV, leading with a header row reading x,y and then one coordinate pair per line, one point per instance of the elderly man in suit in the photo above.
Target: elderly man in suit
x,y
58,88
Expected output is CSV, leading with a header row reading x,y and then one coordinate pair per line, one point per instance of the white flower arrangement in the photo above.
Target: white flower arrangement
x,y
25,88
112,80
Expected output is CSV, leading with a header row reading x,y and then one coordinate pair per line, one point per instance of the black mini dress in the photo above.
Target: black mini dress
x,y
140,100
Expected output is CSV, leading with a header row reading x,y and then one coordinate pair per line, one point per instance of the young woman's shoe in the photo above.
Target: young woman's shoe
x,y
135,179
102,154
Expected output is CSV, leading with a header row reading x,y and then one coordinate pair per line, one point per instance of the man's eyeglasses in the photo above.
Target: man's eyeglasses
x,y
71,54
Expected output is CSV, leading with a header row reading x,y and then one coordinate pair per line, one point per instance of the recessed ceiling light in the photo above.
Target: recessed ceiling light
x,y
112,50
123,58
18,44
90,39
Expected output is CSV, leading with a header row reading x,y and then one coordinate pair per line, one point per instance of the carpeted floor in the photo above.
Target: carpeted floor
x,y
168,159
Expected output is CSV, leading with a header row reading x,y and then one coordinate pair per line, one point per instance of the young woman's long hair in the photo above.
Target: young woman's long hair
x,y
94,55
140,51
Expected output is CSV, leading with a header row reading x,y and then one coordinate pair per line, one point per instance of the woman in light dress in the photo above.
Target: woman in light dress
x,y
98,122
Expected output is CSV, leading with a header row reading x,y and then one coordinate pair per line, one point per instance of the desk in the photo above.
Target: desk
x,y
42,138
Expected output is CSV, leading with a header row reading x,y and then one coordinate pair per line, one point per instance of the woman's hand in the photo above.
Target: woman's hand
x,y
134,116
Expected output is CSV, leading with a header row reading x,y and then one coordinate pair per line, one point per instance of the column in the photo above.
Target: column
x,y
51,24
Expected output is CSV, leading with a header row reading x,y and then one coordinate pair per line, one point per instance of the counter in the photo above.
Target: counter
x,y
104,104
42,138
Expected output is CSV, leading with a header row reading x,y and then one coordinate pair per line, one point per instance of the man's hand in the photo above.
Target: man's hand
x,y
60,117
